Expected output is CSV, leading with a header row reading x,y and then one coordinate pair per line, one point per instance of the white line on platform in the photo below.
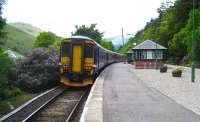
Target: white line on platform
x,y
98,115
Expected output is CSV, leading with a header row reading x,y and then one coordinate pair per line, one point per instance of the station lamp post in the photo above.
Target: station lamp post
x,y
122,36
193,44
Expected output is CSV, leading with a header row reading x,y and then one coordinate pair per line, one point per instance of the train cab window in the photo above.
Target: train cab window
x,y
65,49
88,50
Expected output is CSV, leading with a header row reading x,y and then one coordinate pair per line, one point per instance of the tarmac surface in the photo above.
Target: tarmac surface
x,y
127,99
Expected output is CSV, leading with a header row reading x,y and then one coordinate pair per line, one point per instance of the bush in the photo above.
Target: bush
x,y
7,76
45,39
6,93
177,72
39,70
16,91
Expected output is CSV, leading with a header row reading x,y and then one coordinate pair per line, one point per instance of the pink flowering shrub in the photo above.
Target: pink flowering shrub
x,y
39,70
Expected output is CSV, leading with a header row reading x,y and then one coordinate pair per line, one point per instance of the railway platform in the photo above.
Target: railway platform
x,y
118,95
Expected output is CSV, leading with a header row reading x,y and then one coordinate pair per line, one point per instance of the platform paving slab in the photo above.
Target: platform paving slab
x,y
180,89
120,96
127,99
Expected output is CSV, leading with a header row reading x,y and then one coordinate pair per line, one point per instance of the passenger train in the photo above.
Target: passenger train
x,y
82,58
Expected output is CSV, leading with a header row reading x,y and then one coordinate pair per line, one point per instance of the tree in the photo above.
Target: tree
x,y
90,31
2,23
57,43
129,44
7,71
172,29
45,39
107,44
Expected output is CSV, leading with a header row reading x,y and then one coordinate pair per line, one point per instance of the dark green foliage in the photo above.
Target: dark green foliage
x,y
7,76
39,71
91,32
2,23
7,66
182,41
45,39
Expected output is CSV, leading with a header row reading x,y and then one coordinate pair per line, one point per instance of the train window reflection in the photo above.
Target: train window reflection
x,y
88,50
65,49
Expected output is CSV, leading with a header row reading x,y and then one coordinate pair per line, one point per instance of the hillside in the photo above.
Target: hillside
x,y
19,37
32,30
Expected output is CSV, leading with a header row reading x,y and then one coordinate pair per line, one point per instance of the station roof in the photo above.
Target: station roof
x,y
149,44
130,51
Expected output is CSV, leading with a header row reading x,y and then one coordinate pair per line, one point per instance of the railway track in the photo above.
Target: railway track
x,y
59,104
61,109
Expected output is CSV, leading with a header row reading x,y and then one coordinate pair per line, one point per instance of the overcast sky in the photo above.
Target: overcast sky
x,y
60,16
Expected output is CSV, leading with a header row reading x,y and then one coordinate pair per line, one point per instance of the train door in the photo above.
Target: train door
x,y
77,56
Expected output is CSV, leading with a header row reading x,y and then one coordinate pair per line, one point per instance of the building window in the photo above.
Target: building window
x,y
157,54
143,54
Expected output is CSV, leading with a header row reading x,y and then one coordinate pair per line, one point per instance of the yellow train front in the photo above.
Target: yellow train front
x,y
81,58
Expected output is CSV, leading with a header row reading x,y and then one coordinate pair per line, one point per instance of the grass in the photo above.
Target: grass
x,y
15,102
20,37
18,40
28,28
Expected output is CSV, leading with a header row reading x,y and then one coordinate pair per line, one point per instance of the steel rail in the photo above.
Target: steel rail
x,y
41,107
16,113
75,108
69,115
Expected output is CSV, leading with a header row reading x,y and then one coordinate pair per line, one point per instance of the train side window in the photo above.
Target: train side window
x,y
65,49
89,50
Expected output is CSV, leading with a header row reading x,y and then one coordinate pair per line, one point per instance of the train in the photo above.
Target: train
x,y
82,59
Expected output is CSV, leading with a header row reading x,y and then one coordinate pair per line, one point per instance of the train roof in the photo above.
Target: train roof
x,y
78,37
87,38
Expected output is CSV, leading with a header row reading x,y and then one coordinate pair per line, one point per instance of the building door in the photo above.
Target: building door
x,y
149,54
77,55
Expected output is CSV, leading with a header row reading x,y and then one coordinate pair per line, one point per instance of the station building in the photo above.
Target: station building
x,y
130,56
148,54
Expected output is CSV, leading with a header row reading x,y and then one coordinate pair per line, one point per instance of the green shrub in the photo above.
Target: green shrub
x,y
177,72
16,91
7,76
6,93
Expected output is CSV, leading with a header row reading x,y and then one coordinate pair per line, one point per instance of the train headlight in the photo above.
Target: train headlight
x,y
92,72
94,66
61,70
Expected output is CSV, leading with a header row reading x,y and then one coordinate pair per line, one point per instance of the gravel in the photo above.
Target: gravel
x,y
181,90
